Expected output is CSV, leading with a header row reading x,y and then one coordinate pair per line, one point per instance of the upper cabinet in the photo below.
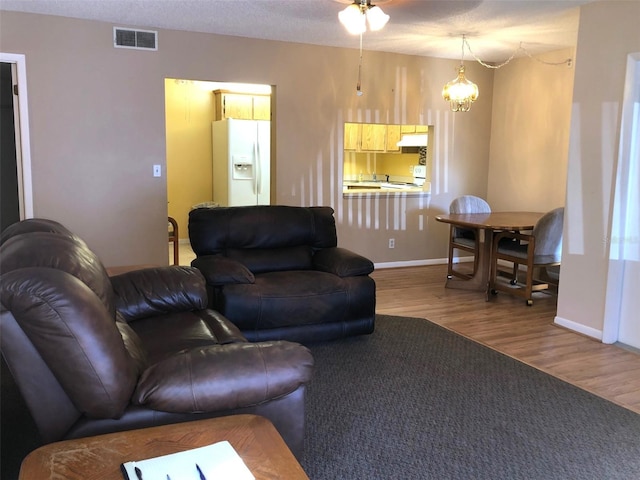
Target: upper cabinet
x,y
261,107
352,136
242,106
393,137
374,137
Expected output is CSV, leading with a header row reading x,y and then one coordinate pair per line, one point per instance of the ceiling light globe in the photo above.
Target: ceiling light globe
x,y
377,18
353,19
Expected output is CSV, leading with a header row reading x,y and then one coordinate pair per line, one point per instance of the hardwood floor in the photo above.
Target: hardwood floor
x,y
506,324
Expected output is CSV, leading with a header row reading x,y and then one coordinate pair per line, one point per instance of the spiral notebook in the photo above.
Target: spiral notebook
x,y
218,461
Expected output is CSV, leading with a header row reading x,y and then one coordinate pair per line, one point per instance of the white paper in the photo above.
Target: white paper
x,y
218,461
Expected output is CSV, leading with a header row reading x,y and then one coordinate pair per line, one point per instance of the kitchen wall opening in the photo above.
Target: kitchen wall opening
x,y
387,158
218,147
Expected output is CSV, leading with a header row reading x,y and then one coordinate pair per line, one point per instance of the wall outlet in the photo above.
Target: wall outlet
x,y
392,243
157,170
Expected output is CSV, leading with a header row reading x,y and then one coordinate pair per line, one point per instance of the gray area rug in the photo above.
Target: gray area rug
x,y
416,401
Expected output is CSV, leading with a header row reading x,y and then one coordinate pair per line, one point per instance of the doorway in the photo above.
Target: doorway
x,y
190,109
15,158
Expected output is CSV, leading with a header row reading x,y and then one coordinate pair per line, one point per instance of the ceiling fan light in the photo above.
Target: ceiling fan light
x,y
460,92
353,19
377,18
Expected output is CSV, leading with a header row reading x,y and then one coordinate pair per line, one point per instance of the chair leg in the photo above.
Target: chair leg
x,y
529,285
175,238
176,252
514,274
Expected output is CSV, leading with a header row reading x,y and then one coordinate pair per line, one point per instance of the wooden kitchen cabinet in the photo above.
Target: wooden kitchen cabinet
x,y
241,106
352,136
262,107
414,129
393,137
373,138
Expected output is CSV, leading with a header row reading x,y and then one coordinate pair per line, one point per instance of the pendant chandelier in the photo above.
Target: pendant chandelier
x,y
361,13
460,92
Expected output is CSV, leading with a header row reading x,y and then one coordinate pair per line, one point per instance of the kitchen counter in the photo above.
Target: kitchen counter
x,y
351,188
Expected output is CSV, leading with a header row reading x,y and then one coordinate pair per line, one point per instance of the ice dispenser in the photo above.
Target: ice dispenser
x,y
242,168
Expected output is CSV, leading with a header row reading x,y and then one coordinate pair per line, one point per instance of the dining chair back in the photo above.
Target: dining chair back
x,y
465,239
540,249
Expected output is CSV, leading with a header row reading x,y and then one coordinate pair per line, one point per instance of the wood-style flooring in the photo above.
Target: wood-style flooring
x,y
508,325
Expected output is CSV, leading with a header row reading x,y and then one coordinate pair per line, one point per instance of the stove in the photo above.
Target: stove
x,y
419,174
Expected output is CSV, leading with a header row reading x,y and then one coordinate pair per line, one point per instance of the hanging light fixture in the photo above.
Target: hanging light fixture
x,y
460,92
360,13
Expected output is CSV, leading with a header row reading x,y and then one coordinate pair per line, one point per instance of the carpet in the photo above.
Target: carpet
x,y
416,401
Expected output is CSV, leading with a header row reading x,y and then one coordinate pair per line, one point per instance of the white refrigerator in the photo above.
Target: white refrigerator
x,y
241,162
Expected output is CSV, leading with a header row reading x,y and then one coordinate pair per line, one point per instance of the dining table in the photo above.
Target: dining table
x,y
487,224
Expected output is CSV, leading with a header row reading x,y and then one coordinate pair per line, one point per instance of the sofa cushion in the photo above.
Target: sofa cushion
x,y
62,252
158,290
273,259
278,299
75,335
224,377
220,270
215,230
342,262
31,225
165,334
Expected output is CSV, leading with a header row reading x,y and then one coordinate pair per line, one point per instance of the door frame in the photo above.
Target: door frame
x,y
23,144
615,297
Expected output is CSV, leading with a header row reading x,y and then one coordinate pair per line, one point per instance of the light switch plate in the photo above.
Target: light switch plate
x,y
157,170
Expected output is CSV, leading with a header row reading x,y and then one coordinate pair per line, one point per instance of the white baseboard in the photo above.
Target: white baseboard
x,y
577,327
420,263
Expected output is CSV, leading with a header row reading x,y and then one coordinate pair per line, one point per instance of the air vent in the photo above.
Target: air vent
x,y
138,39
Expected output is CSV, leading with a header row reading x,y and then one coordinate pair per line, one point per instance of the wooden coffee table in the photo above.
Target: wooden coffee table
x,y
254,438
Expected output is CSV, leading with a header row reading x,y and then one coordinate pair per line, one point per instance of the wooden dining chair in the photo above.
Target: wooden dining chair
x,y
175,239
465,239
541,248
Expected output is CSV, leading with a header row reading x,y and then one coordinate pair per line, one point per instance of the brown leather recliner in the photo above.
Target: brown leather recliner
x,y
277,273
93,354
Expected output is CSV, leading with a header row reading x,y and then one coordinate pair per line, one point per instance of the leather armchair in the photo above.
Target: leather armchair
x,y
277,272
93,354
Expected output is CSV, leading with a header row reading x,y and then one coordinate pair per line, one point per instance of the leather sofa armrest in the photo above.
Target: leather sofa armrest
x,y
224,377
219,270
342,262
156,291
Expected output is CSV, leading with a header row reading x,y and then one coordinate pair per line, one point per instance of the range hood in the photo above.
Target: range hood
x,y
413,141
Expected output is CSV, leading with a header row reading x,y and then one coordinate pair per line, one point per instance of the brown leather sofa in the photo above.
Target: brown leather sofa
x,y
277,273
93,354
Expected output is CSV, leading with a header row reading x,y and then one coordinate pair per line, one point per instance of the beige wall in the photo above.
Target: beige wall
x,y
608,33
97,125
530,134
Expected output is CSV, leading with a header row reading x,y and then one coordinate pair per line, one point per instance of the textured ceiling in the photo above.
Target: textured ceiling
x,y
494,28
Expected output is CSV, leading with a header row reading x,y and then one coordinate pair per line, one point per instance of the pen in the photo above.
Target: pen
x,y
202,477
138,473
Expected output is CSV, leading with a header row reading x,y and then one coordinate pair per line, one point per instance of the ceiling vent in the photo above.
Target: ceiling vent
x,y
137,39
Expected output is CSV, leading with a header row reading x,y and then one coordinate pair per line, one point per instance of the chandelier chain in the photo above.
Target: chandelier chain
x,y
519,49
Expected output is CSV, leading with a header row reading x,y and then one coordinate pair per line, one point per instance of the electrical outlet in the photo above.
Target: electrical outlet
x,y
392,243
157,170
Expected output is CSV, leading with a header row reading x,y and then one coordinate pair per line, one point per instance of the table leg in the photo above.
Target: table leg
x,y
480,281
